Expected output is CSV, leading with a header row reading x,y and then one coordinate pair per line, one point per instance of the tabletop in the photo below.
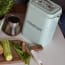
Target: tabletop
x,y
53,53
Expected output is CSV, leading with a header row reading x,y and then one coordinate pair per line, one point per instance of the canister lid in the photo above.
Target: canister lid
x,y
48,7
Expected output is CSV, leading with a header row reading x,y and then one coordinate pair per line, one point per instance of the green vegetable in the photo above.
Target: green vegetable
x,y
23,55
7,50
5,6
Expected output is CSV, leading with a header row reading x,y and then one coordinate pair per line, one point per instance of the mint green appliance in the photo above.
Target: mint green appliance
x,y
41,20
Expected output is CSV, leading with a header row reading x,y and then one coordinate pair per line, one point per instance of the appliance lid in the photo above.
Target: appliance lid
x,y
47,6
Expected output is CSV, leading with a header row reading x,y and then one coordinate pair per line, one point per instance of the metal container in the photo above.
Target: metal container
x,y
11,25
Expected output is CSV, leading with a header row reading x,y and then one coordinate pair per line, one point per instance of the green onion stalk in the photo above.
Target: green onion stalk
x,y
23,55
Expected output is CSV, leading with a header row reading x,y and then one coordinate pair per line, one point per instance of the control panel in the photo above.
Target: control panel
x,y
46,4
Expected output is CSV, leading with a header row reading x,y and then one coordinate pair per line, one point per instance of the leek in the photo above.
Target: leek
x,y
7,50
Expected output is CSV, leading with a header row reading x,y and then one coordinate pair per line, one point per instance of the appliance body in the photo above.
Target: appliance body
x,y
41,20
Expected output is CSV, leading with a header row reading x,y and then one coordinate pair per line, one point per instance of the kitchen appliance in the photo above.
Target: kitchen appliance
x,y
41,20
11,25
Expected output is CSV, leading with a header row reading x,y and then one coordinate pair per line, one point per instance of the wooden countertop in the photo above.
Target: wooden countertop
x,y
19,8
